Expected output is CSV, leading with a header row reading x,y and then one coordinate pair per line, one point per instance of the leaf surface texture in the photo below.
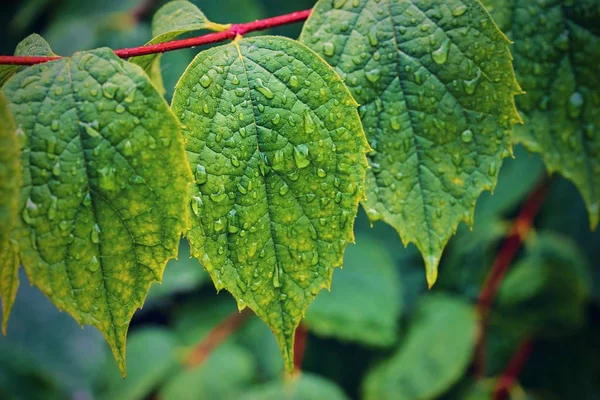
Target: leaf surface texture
x,y
436,88
278,152
103,202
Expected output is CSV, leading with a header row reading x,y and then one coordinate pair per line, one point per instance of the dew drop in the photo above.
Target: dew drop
x,y
56,169
107,178
197,205
459,10
467,136
372,36
276,273
373,75
205,81
96,234
265,91
328,49
128,148
130,95
201,175
219,195
301,156
309,125
284,189
575,105
94,265
54,125
440,56
294,81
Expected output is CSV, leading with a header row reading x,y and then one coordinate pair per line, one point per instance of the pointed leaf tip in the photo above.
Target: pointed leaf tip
x,y
118,217
265,223
439,130
431,269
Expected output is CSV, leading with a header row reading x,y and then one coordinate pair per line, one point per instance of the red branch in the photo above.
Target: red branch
x,y
299,347
216,336
510,374
517,234
231,33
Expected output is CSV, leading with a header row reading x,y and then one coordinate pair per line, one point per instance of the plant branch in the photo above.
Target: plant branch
x,y
512,243
516,364
216,336
231,33
299,347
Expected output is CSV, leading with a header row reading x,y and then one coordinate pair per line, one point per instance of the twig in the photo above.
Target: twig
x,y
516,364
217,335
517,234
299,347
231,33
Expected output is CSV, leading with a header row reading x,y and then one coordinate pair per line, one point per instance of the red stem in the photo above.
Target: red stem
x,y
216,336
299,347
231,33
517,234
510,374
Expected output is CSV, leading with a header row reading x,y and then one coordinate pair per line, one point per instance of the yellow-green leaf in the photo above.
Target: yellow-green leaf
x,y
436,88
276,145
556,58
103,202
172,20
10,184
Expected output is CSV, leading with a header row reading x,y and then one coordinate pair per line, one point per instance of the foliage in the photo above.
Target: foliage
x,y
436,95
260,161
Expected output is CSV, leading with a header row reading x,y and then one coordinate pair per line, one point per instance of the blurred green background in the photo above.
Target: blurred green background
x,y
380,334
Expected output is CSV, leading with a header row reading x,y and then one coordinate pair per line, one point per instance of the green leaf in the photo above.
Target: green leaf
x,y
103,202
433,355
172,20
436,88
152,356
547,292
556,57
222,376
304,387
365,302
278,152
32,45
10,185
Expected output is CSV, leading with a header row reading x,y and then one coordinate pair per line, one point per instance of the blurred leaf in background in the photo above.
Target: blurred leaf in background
x,y
365,303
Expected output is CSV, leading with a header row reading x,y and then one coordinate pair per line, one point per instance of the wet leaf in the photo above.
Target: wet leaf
x,y
433,355
278,153
103,201
556,57
436,88
10,185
